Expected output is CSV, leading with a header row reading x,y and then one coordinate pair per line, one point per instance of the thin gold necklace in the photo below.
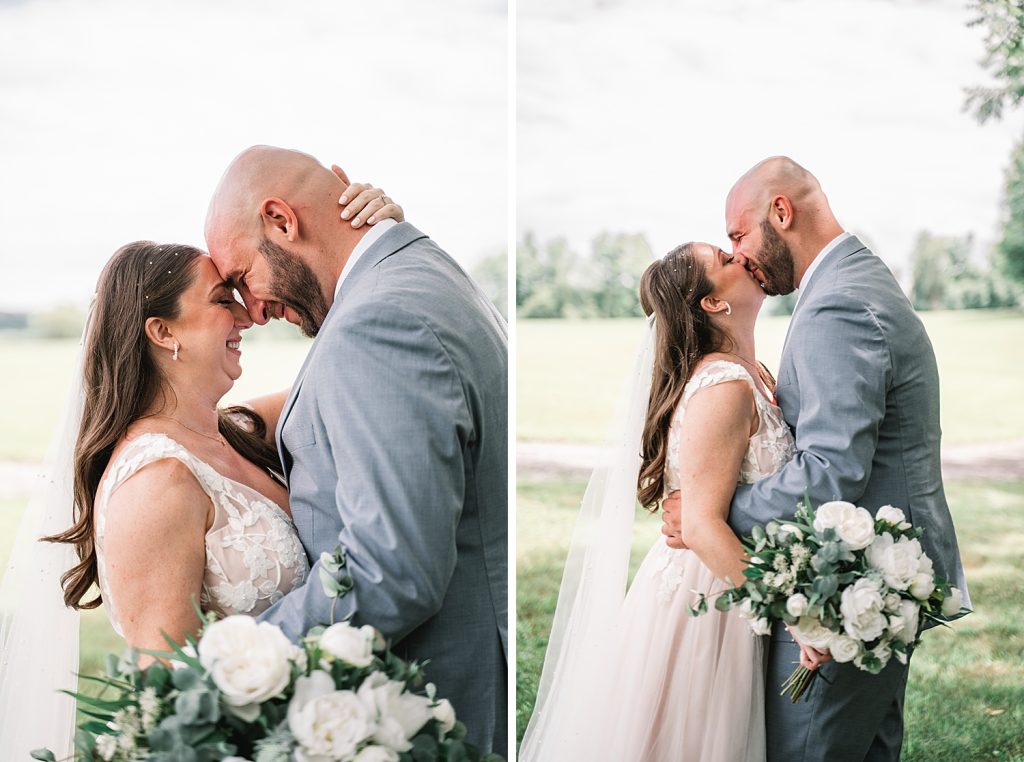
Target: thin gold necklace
x,y
219,439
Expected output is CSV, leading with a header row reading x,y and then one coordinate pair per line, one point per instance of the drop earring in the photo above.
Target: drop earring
x,y
175,355
728,308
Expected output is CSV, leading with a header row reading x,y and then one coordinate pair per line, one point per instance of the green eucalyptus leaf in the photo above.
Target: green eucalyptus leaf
x,y
185,679
44,754
722,603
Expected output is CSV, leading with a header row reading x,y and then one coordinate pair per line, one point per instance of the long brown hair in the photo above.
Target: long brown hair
x,y
121,381
671,289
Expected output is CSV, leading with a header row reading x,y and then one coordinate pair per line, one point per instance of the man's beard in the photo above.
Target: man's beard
x,y
294,285
775,261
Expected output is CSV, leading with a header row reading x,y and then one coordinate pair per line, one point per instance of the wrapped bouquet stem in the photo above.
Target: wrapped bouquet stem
x,y
856,585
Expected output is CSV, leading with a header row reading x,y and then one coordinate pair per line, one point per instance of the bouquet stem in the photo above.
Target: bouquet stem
x,y
798,683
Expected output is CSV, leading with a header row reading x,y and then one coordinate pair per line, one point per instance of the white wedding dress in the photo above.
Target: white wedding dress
x,y
668,687
253,554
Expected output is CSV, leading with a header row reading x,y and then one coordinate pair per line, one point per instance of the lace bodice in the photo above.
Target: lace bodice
x,y
770,447
253,555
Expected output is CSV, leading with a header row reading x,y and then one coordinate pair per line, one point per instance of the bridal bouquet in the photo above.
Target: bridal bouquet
x,y
859,586
243,691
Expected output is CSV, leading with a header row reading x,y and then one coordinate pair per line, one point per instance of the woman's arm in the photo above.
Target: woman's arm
x,y
714,437
269,407
155,551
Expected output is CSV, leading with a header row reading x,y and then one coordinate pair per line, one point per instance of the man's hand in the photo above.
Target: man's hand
x,y
810,657
671,521
362,203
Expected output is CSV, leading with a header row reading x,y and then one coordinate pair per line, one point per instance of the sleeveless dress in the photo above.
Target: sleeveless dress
x,y
253,554
679,688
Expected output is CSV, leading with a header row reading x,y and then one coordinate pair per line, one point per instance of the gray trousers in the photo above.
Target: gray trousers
x,y
853,716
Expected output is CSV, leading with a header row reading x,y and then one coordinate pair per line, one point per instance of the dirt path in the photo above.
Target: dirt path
x,y
1002,461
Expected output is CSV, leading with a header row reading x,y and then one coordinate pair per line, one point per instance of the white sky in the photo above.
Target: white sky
x,y
118,117
638,115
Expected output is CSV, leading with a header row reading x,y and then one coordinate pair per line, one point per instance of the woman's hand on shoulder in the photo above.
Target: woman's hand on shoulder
x,y
363,203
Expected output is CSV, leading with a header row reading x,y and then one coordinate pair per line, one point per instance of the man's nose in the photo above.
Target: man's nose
x,y
257,308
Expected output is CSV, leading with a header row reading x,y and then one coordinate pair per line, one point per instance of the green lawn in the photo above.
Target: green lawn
x,y
37,388
965,699
570,372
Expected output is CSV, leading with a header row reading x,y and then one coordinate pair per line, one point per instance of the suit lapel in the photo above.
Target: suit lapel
x,y
393,240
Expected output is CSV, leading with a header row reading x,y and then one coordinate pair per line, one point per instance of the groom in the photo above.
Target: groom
x,y
394,436
858,385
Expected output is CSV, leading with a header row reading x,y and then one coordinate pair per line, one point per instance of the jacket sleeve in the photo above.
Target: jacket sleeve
x,y
843,370
397,426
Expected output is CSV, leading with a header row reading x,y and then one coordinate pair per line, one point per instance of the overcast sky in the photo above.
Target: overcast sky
x,y
118,117
638,115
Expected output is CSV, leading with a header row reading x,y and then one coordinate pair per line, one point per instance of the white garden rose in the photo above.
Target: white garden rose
x,y
904,624
796,604
399,714
328,724
893,515
854,525
899,561
376,754
844,649
746,609
353,645
444,713
861,608
892,603
248,660
760,626
922,586
952,604
811,632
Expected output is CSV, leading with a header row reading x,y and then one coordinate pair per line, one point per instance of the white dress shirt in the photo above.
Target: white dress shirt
x,y
829,248
371,235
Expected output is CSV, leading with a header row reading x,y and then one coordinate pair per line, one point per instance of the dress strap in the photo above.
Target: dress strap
x,y
149,448
717,372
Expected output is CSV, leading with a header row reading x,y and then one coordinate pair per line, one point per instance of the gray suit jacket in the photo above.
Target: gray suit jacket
x,y
395,444
859,387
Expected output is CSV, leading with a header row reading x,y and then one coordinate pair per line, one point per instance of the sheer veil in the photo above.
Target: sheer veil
x,y
38,633
595,576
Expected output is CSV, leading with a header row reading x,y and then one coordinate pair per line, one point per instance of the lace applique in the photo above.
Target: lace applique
x,y
253,554
768,451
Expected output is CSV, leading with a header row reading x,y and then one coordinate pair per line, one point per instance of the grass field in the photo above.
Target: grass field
x,y
38,377
569,373
965,699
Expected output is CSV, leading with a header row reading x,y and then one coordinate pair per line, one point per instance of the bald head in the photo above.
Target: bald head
x,y
777,176
258,173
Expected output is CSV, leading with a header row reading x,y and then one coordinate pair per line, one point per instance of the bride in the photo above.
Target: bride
x,y
637,679
175,499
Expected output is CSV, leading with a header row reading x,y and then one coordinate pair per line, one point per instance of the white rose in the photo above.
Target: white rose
x,y
893,515
327,723
844,649
861,608
249,662
953,602
904,625
796,604
746,609
892,603
854,525
760,626
883,652
898,561
376,754
444,713
922,586
813,633
788,531
398,713
353,645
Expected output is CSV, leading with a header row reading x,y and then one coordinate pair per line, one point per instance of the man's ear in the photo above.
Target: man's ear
x,y
782,212
159,333
279,219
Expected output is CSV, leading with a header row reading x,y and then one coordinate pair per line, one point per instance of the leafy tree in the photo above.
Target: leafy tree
x,y
617,261
545,274
945,278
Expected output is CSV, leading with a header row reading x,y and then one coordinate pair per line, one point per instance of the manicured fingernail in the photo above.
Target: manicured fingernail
x,y
355,222
372,220
343,199
344,214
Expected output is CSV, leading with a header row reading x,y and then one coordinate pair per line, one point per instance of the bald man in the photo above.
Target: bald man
x,y
394,436
859,387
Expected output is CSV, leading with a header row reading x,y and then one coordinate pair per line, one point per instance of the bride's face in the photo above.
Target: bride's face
x,y
209,328
732,281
